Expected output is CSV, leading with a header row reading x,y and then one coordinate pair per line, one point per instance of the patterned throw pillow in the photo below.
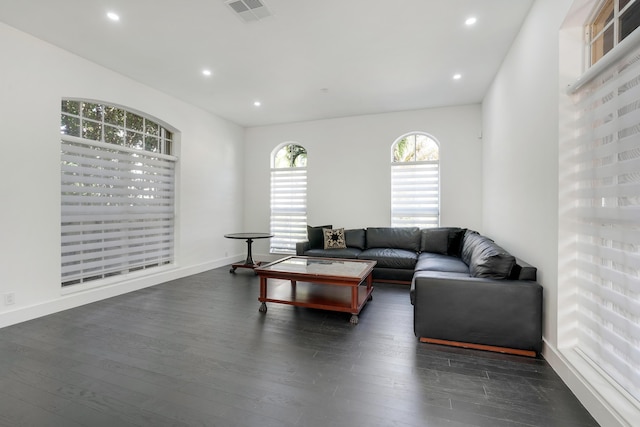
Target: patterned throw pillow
x,y
334,238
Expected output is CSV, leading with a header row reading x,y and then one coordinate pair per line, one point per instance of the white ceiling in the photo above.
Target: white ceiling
x,y
311,59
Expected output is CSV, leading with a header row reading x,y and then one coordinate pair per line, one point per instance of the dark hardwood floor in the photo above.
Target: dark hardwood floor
x,y
196,352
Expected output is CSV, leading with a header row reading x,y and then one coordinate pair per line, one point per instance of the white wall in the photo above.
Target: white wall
x,y
521,173
33,78
520,123
349,167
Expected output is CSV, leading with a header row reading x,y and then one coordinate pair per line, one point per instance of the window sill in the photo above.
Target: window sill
x,y
613,56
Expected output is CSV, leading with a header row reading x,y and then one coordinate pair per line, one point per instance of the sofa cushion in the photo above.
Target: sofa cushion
x,y
435,240
485,258
442,240
355,238
469,241
438,262
391,257
455,240
492,263
334,238
315,236
394,237
348,253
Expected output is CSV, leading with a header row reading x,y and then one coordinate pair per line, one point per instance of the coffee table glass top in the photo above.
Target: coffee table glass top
x,y
320,266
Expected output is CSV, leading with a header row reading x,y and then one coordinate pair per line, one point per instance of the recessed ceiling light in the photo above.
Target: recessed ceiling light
x,y
457,76
257,103
471,20
206,72
113,16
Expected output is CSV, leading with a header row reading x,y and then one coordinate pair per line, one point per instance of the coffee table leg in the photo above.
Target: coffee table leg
x,y
354,305
263,295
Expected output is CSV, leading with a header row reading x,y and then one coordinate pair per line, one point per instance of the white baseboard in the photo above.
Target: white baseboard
x,y
603,401
84,294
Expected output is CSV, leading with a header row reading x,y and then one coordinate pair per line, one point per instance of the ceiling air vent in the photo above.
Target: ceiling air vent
x,y
249,10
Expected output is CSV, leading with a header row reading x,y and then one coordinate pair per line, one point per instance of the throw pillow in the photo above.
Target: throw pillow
x,y
315,236
334,239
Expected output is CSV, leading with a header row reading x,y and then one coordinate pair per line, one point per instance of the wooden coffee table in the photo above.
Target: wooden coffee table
x,y
324,283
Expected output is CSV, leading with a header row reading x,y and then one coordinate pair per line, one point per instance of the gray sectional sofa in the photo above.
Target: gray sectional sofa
x,y
466,290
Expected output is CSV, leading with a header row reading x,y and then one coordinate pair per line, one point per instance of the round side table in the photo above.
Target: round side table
x,y
249,237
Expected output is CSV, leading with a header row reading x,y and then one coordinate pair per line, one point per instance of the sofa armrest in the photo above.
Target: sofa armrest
x,y
302,247
504,313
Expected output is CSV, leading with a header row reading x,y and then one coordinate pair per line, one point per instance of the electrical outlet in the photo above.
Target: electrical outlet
x,y
9,299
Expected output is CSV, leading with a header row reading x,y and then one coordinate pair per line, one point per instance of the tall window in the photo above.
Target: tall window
x,y
613,22
288,197
117,192
601,220
415,181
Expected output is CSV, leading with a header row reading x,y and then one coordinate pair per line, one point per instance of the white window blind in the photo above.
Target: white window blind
x,y
415,194
604,184
117,209
288,208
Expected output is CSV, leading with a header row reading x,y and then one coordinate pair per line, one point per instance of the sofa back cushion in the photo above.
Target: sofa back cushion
x,y
394,237
315,236
485,258
435,241
442,240
469,242
355,238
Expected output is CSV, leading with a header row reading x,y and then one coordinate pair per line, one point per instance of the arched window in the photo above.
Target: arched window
x,y
288,197
117,191
415,181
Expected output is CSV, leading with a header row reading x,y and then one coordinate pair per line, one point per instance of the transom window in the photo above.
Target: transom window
x,y
114,125
288,197
117,192
415,181
613,22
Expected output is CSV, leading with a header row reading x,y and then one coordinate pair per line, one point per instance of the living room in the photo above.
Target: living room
x,y
500,173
